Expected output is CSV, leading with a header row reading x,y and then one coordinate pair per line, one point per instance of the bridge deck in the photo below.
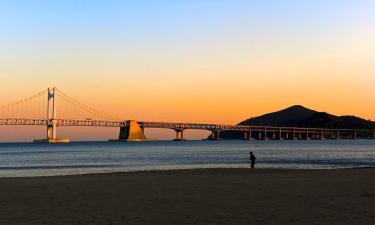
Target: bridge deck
x,y
165,125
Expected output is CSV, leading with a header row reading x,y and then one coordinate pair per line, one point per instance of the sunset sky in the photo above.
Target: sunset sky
x,y
217,61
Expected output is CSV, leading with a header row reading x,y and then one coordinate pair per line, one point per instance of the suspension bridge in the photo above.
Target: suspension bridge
x,y
53,108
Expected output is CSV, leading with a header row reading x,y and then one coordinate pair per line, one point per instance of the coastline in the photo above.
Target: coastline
x,y
187,169
193,196
197,169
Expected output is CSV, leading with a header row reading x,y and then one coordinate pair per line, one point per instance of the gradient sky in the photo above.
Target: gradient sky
x,y
218,61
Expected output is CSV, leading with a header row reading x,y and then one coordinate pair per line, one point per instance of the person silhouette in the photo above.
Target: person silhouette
x,y
252,159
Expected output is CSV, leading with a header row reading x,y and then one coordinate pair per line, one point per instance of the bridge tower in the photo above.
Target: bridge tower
x,y
51,114
52,122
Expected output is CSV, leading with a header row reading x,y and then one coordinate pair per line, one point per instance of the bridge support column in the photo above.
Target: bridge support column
x,y
51,131
322,135
259,135
248,135
337,135
294,134
354,134
215,136
308,135
133,132
179,135
265,134
280,137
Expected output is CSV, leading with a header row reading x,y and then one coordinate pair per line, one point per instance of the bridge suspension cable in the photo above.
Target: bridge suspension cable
x,y
30,107
69,107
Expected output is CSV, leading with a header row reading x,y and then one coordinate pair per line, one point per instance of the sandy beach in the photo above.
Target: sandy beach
x,y
204,196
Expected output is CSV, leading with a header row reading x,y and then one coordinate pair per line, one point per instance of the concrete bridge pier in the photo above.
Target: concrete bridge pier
x,y
322,135
51,131
354,134
259,135
179,135
273,136
294,134
308,135
337,135
265,134
280,136
215,135
51,136
133,132
248,135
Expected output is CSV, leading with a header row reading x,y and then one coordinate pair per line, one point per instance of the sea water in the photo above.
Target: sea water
x,y
28,159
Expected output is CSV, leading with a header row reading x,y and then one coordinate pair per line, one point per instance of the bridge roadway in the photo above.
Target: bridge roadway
x,y
223,127
262,132
165,125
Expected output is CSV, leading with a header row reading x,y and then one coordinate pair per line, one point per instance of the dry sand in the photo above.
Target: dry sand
x,y
208,196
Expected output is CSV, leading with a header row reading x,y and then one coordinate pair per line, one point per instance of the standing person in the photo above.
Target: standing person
x,y
252,159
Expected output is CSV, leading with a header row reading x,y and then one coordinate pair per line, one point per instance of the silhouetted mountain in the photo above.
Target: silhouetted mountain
x,y
292,116
299,116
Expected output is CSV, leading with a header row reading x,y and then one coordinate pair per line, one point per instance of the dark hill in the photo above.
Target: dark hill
x,y
299,116
291,116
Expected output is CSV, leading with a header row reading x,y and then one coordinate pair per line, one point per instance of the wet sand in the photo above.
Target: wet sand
x,y
206,196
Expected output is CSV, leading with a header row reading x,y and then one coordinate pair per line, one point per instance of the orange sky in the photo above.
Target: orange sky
x,y
194,62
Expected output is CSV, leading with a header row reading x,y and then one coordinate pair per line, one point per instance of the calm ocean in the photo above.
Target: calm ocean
x,y
27,159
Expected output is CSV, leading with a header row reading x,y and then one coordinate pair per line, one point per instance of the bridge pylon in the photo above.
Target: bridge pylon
x,y
52,122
